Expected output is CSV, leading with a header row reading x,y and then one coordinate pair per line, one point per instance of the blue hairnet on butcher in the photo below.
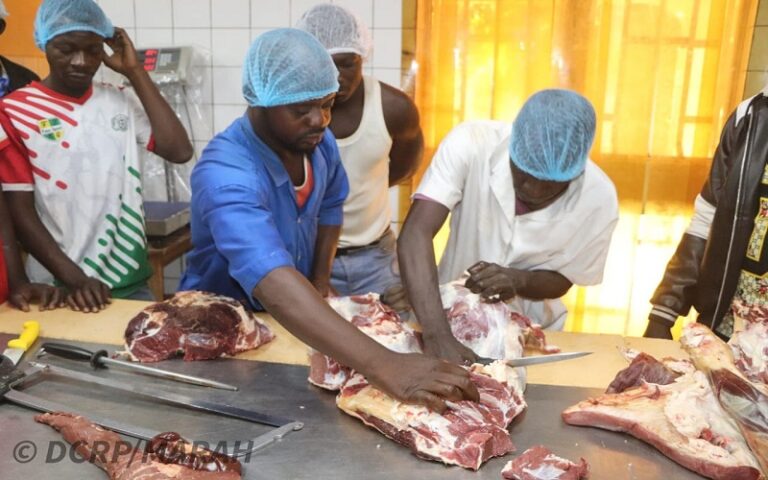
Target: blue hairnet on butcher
x,y
552,135
287,66
55,17
338,29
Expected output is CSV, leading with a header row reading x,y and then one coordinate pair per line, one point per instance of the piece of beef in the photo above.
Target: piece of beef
x,y
643,369
539,463
683,420
490,329
167,456
749,343
199,325
467,434
744,401
373,318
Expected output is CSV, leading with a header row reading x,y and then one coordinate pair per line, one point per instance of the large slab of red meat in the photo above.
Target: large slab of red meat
x,y
198,325
539,463
749,342
467,434
682,419
166,457
746,402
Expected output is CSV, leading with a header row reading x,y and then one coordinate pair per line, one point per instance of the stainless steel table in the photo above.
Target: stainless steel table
x,y
331,445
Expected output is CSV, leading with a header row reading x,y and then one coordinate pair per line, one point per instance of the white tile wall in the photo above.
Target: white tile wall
x,y
225,28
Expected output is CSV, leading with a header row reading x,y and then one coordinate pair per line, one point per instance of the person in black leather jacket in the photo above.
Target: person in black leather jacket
x,y
722,259
12,75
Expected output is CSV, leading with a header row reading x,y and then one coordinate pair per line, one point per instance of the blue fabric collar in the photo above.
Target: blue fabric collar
x,y
270,159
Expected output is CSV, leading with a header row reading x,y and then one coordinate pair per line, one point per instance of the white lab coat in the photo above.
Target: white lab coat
x,y
471,175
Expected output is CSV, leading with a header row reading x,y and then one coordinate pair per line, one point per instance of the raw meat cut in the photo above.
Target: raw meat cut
x,y
749,342
200,325
539,463
373,318
467,434
166,457
490,329
745,402
682,419
643,369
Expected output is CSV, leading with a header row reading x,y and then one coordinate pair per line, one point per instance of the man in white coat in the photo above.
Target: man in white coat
x,y
531,215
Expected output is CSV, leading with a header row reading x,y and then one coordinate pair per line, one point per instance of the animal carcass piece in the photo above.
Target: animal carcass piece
x,y
745,402
199,325
682,419
750,343
538,463
373,318
643,369
467,434
166,457
490,329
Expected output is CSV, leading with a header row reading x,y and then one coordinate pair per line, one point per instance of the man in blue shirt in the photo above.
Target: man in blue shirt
x,y
267,199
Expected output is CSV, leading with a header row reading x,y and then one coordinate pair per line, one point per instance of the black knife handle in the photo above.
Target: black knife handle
x,y
73,352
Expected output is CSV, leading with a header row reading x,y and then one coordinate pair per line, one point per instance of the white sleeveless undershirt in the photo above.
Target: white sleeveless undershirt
x,y
365,155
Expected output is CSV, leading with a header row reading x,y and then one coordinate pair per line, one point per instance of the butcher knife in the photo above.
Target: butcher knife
x,y
18,346
537,359
101,358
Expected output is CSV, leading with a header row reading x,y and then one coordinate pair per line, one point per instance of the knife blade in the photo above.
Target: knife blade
x,y
18,346
537,359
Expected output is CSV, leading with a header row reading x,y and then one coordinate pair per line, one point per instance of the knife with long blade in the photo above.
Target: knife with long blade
x,y
172,398
537,359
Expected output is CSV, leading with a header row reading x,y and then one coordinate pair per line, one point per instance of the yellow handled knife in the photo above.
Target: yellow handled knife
x,y
18,346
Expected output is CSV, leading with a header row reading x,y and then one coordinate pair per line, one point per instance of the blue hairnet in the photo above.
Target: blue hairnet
x,y
338,29
286,66
552,135
55,17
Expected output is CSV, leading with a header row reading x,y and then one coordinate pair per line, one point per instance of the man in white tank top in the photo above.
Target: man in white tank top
x,y
381,144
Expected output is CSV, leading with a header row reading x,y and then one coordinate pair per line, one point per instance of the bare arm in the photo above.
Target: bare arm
x,y
171,140
414,378
325,251
416,256
402,119
494,282
87,294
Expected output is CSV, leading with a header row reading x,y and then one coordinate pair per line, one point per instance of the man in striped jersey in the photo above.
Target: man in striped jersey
x,y
69,158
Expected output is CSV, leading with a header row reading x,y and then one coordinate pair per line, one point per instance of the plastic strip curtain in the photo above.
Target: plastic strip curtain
x,y
663,75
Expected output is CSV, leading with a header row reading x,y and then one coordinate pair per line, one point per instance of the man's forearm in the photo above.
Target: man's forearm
x,y
171,139
38,240
293,302
542,284
325,251
416,255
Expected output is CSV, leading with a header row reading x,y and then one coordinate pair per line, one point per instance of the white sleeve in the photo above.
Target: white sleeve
x,y
703,213
446,176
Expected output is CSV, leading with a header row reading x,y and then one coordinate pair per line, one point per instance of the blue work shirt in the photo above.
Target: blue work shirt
x,y
244,216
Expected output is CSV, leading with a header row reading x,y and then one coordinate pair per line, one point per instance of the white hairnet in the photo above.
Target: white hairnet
x,y
338,29
552,135
3,10
55,17
286,66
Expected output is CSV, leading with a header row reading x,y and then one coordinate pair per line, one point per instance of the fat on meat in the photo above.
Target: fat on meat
x,y
467,434
745,402
166,457
682,419
539,463
199,325
749,342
